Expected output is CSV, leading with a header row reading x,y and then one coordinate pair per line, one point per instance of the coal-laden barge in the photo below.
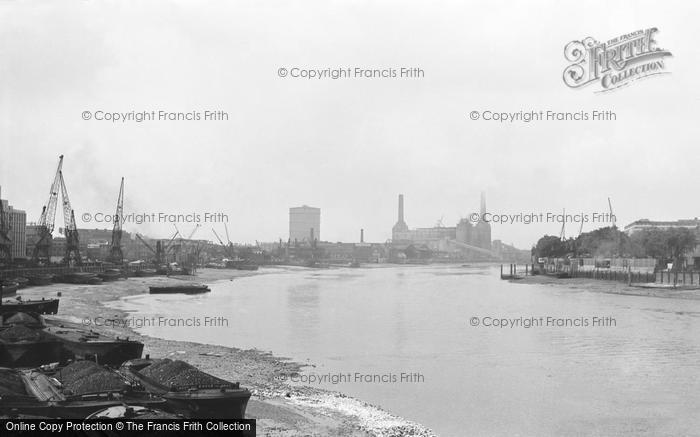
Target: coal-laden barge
x,y
46,374
84,388
29,340
188,390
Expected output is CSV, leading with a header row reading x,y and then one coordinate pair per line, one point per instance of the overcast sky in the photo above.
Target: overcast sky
x,y
351,146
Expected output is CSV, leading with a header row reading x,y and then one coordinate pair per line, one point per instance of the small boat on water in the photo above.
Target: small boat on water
x,y
8,288
39,306
79,278
246,266
81,343
23,343
179,288
111,275
188,390
40,279
145,272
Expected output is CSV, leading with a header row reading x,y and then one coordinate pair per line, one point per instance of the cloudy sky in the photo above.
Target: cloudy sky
x,y
346,146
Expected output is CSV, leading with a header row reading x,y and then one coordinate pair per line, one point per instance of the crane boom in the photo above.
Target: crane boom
x,y
42,247
562,234
193,231
167,246
116,255
71,229
217,237
612,215
48,213
227,237
146,244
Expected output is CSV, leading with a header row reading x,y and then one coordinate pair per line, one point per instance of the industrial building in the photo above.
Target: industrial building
x,y
644,224
465,236
15,221
304,224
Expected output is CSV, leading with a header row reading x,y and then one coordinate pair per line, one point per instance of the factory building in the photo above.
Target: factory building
x,y
443,238
16,221
304,224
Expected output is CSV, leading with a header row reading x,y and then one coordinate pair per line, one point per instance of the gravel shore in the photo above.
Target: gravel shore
x,y
613,287
280,409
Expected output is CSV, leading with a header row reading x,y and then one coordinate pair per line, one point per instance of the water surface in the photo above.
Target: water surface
x,y
640,376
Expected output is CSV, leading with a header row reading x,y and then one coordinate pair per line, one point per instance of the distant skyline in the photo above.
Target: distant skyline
x,y
348,147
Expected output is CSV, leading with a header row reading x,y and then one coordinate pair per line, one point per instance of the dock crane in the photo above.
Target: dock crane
x,y
562,234
227,237
42,248
168,246
194,231
147,245
232,253
191,257
72,256
116,255
227,248
160,251
217,237
612,216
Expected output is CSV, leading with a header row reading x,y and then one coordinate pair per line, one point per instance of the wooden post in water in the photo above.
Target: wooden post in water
x,y
629,275
501,271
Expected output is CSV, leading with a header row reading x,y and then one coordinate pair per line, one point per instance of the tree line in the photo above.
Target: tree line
x,y
664,245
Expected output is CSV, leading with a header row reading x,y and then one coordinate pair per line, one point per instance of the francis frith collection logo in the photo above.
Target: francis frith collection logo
x,y
615,63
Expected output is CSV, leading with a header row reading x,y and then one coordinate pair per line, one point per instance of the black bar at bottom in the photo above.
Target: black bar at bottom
x,y
128,427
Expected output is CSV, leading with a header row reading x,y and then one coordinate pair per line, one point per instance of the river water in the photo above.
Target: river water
x,y
590,363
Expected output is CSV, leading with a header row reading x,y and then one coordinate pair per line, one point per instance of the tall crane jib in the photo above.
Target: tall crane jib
x,y
42,248
116,254
72,256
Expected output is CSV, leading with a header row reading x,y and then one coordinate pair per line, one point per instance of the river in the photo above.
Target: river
x,y
421,342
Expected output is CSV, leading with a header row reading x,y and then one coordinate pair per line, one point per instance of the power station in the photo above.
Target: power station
x,y
463,236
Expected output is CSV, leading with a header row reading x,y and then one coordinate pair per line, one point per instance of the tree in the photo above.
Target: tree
x,y
679,241
667,244
550,246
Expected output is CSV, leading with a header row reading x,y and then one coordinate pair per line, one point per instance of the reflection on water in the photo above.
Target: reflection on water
x,y
639,377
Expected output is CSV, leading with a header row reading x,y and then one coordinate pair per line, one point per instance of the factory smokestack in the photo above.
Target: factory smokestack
x,y
362,235
400,208
483,204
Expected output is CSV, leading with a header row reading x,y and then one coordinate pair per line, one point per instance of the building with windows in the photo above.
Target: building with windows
x,y
304,224
644,224
16,222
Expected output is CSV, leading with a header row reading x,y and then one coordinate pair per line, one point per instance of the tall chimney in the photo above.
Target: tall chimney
x,y
312,235
400,208
362,235
483,204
